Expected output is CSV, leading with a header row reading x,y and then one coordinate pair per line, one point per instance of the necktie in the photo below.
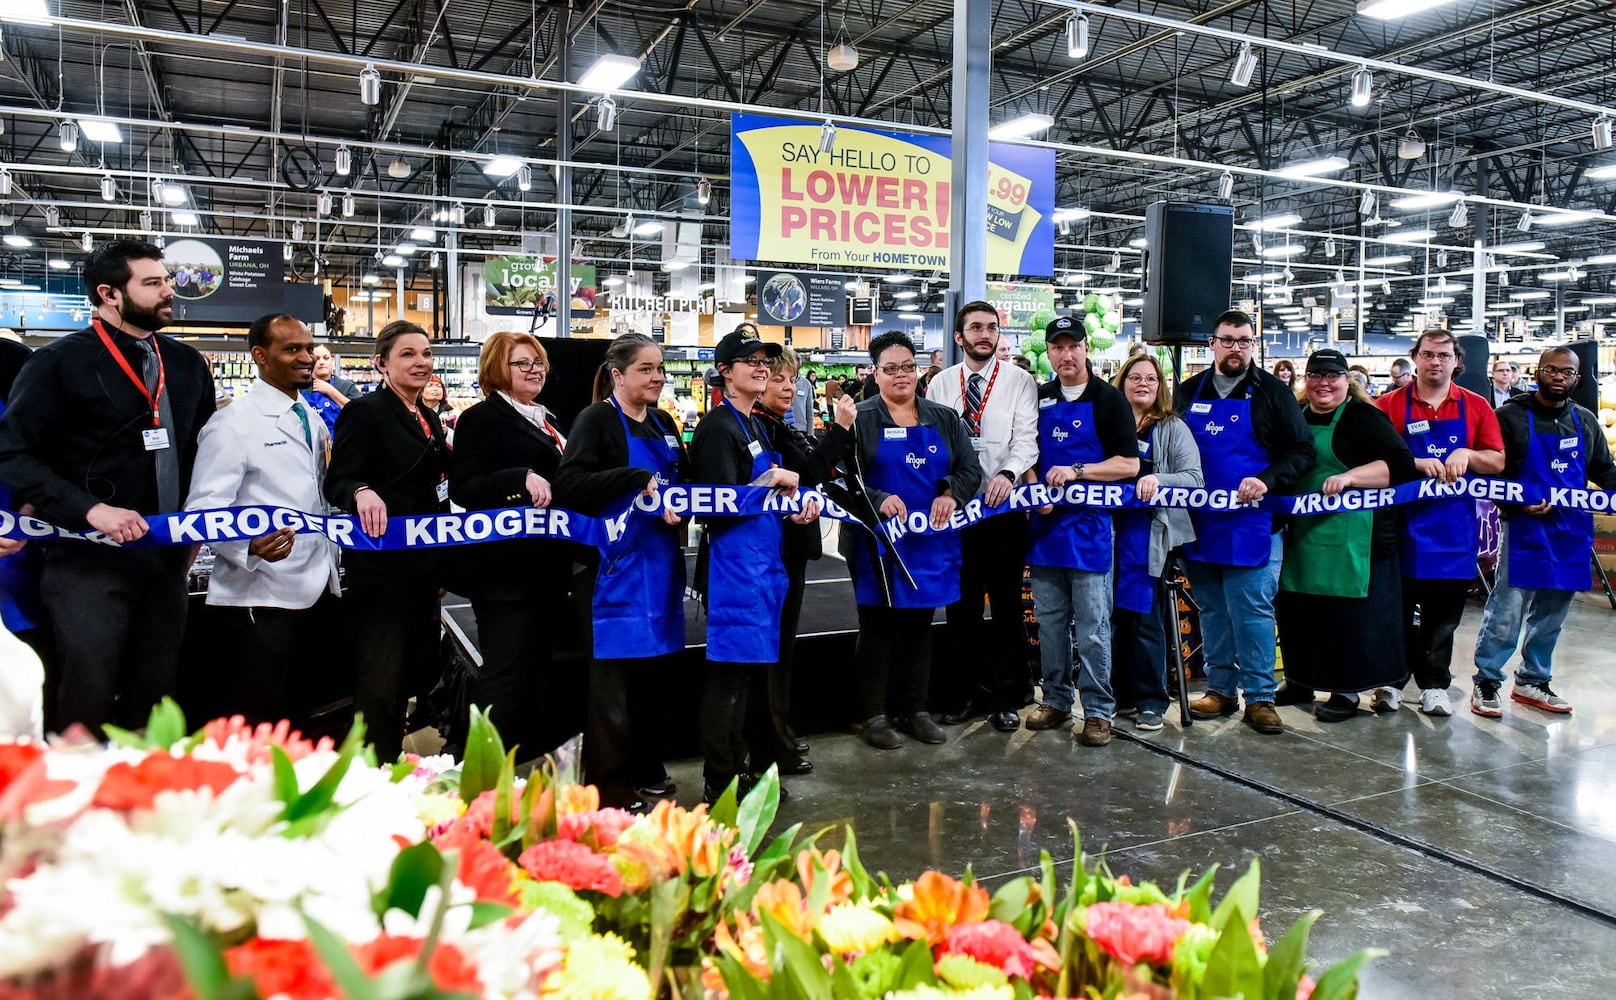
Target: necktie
x,y
303,418
973,404
167,459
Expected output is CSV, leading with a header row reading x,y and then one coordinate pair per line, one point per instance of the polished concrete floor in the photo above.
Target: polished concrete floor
x,y
1472,849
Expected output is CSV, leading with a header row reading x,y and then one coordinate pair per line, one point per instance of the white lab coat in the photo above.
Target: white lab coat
x,y
254,452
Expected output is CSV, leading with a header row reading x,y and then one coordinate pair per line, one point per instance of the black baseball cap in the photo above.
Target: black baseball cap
x,y
1327,360
739,344
1065,326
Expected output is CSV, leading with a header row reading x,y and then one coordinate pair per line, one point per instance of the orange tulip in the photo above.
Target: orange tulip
x,y
939,903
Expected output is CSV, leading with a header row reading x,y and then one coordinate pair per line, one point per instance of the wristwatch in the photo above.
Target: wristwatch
x,y
1077,470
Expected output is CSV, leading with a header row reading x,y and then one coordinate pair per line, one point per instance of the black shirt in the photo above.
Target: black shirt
x,y
71,435
1275,421
1521,414
1365,434
814,462
1113,417
594,471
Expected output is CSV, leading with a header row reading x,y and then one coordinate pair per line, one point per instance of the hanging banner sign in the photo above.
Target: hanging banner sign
x,y
232,281
522,286
1018,304
879,198
801,298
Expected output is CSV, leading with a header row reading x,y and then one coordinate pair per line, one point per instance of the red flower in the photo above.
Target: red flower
x,y
15,758
599,828
291,968
261,737
134,787
23,781
449,968
1135,934
573,865
995,943
486,871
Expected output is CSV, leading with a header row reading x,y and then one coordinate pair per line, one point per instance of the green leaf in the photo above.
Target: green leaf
x,y
757,810
124,738
166,724
1243,895
742,985
669,900
485,756
204,963
504,790
400,770
917,968
319,798
854,866
285,776
1340,981
416,869
1010,901
484,913
842,981
724,810
1200,897
340,962
781,851
1233,969
576,916
1287,960
802,964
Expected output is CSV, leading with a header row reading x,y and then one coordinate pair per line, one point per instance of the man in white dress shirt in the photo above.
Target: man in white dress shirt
x,y
983,667
272,594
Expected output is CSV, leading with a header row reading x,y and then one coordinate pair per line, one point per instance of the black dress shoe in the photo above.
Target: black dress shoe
x,y
878,732
799,765
749,781
659,789
1005,722
923,728
799,744
1339,708
959,716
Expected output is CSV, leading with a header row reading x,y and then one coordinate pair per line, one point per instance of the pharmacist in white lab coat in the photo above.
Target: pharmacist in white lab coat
x,y
271,598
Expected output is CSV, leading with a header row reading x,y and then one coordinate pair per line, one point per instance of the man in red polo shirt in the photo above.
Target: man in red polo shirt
x,y
1452,432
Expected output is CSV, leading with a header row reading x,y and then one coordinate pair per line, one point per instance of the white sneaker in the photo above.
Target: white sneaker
x,y
1386,699
1540,696
1434,701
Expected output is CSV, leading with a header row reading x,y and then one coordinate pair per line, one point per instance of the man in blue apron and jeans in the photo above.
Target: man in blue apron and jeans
x,y
1253,441
1546,557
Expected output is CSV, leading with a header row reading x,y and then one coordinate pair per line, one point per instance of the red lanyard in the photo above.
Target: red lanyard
x,y
420,418
140,383
554,434
976,418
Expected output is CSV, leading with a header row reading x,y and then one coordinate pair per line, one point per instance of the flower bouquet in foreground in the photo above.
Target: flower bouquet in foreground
x,y
240,862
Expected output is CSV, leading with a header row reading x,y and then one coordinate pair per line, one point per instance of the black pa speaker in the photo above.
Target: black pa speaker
x,y
1587,391
1475,374
1189,269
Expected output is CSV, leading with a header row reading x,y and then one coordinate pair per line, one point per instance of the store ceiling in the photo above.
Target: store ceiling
x,y
201,89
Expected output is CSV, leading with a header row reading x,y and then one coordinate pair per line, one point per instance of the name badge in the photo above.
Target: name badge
x,y
1566,444
443,490
895,433
154,438
1419,427
1200,407
754,448
1144,447
1044,404
672,441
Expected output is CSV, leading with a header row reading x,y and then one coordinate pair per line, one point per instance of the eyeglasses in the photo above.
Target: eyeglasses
x,y
1325,376
526,365
1553,372
1236,343
1436,356
754,362
907,368
1142,379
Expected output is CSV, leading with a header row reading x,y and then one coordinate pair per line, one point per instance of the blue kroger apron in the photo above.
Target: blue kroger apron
x,y
910,462
1135,587
746,578
1230,452
1439,536
1071,538
639,594
1552,552
19,587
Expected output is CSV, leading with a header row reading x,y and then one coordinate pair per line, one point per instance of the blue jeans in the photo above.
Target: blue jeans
x,y
1237,624
1543,613
1074,609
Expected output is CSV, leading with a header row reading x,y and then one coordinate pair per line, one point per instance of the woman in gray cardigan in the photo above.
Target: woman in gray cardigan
x,y
1167,457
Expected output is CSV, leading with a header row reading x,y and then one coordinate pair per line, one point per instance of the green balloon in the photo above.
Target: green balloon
x,y
1040,319
1101,340
1091,322
1091,303
1112,321
1034,343
1044,367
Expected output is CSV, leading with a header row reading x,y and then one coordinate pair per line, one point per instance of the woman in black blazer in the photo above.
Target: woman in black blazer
x,y
388,458
506,451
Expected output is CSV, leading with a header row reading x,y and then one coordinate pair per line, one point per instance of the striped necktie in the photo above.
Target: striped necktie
x,y
973,404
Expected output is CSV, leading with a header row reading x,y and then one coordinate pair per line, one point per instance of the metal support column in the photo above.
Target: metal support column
x,y
563,314
968,220
1478,277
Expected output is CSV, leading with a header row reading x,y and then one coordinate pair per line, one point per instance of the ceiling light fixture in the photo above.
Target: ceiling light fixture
x,y
433,261
1226,186
524,178
1389,260
393,261
5,182
67,136
704,191
1363,87
457,214
609,73
1329,248
145,220
1077,36
297,232
502,166
286,251
1245,64
648,228
827,136
1525,223
398,169
109,188
1460,217
1604,132
322,204
370,279
53,217
1390,10
1368,203
1411,146
1425,199
1021,127
423,234
183,218
100,130
1284,220
1604,173
344,161
86,242
605,114
58,264
1316,168
348,205
1524,246
405,249
842,57
1565,218
370,86
490,217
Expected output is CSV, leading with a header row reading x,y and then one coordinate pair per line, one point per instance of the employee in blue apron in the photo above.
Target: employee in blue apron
x,y
1549,442
1085,434
1253,442
740,568
914,459
1452,432
622,446
1167,457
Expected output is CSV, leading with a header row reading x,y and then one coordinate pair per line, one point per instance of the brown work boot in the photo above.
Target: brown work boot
x,y
1264,718
1212,705
1096,732
1047,717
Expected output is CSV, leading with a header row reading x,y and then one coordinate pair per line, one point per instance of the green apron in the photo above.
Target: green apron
x,y
1327,554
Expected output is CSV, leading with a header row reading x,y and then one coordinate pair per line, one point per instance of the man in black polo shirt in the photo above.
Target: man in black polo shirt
x,y
100,430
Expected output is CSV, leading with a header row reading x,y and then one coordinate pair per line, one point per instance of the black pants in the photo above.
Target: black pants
x,y
516,683
985,662
623,740
1428,646
274,649
723,719
768,706
893,654
394,621
1139,655
118,618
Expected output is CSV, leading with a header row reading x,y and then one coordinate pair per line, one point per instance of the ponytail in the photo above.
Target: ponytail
x,y
620,353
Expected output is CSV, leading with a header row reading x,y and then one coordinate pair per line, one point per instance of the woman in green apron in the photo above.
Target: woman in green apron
x,y
1340,589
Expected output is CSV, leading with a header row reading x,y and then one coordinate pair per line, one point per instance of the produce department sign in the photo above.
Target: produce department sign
x,y
1018,304
880,199
519,286
229,281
